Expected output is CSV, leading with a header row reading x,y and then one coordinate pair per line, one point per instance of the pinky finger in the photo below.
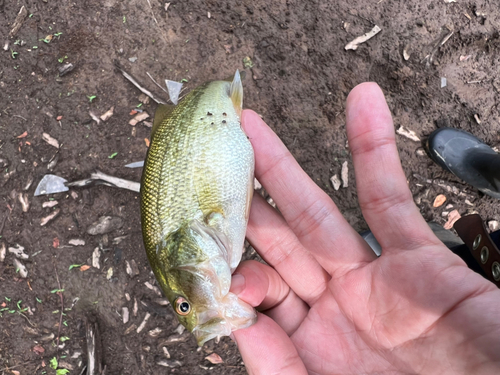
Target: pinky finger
x,y
267,349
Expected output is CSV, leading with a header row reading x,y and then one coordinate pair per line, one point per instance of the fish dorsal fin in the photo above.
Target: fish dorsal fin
x,y
236,93
162,111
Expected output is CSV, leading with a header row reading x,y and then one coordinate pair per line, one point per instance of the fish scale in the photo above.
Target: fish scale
x,y
195,196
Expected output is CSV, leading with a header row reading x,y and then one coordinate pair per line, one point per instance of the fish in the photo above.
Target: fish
x,y
196,192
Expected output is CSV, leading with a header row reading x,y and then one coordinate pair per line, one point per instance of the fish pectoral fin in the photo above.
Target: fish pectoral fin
x,y
218,237
162,111
236,93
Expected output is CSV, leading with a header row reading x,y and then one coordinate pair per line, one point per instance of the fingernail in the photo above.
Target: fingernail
x,y
237,283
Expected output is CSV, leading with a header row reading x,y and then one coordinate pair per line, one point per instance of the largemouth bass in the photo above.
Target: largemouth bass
x,y
196,191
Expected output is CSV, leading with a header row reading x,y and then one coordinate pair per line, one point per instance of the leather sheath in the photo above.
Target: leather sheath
x,y
472,231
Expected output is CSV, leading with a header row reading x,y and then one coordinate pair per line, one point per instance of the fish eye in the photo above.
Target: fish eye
x,y
182,306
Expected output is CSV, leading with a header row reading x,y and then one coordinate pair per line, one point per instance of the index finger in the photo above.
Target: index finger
x,y
307,209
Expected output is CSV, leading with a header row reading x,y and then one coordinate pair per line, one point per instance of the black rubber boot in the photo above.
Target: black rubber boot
x,y
466,157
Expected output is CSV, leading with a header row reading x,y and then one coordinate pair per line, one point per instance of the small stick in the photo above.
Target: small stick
x,y
62,307
136,84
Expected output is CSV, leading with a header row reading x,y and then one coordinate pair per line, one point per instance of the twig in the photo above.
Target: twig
x,y
20,117
16,366
136,84
62,307
150,7
156,83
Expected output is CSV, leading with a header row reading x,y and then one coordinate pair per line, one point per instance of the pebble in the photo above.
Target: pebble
x,y
493,225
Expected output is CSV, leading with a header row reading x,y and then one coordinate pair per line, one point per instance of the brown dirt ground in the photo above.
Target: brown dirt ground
x,y
299,82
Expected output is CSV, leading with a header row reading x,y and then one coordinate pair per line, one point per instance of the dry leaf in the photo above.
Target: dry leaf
x,y
85,267
59,118
38,349
138,118
105,116
22,135
55,243
15,372
214,358
50,140
146,141
452,218
439,200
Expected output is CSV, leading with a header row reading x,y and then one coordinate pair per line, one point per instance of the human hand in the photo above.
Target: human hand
x,y
329,305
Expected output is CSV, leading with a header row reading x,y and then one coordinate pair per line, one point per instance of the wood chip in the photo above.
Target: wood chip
x,y
125,315
344,175
155,332
23,199
85,267
18,251
363,38
94,117
166,363
214,358
130,329
166,353
50,140
335,182
3,251
76,242
24,135
143,324
106,115
96,255
406,54
138,118
153,288
50,217
439,200
410,134
18,22
50,204
453,216
20,268
256,184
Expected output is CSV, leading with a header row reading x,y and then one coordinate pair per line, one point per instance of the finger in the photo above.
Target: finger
x,y
262,287
270,235
383,193
266,349
307,209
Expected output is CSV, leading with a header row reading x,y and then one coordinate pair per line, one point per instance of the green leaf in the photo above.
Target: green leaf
x,y
38,300
53,363
64,338
62,371
91,97
57,291
184,80
112,155
124,19
8,299
75,266
13,53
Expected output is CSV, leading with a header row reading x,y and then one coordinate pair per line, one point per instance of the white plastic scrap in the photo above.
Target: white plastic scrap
x,y
174,89
363,38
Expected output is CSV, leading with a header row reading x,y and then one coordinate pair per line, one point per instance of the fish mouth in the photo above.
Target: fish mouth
x,y
218,323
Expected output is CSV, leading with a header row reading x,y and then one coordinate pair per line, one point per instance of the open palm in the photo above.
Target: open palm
x,y
330,306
